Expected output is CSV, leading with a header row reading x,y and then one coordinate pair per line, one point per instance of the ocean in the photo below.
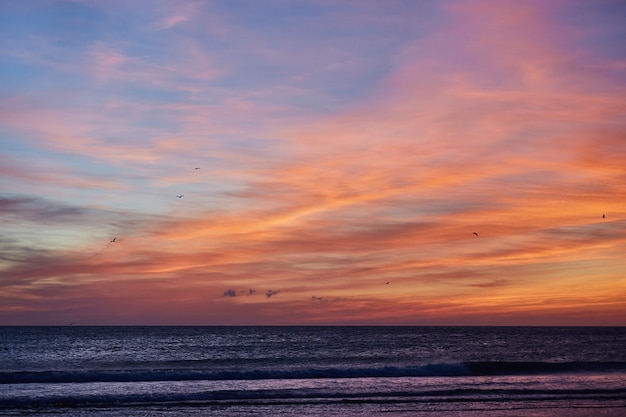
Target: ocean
x,y
313,371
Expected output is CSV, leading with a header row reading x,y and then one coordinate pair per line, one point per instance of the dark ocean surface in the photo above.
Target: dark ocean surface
x,y
313,371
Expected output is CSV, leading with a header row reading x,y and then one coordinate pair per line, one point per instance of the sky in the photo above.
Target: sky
x,y
312,162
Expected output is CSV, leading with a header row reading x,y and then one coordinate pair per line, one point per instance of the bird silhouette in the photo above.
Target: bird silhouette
x,y
475,234
180,196
113,240
603,216
197,169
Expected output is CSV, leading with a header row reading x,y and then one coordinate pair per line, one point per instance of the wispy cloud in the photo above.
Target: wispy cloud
x,y
106,61
177,14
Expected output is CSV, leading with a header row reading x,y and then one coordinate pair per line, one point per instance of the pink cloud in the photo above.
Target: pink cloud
x,y
106,61
171,21
177,14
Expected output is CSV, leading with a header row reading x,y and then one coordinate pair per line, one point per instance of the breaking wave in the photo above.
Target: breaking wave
x,y
431,370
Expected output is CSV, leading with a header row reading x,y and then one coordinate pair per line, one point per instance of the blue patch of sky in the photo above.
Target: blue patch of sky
x,y
146,94
20,77
12,141
364,52
602,24
63,23
30,65
28,77
315,88
29,155
310,89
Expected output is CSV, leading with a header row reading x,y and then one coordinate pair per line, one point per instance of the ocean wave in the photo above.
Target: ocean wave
x,y
431,370
312,396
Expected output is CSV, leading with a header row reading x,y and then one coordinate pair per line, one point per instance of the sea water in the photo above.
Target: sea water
x,y
313,371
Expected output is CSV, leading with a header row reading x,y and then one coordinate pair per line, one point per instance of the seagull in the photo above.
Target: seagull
x,y
387,282
197,169
603,216
113,240
180,196
475,234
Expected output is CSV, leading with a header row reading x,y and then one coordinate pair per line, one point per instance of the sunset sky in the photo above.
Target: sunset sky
x,y
335,160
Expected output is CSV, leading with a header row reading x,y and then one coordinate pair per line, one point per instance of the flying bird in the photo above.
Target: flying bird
x,y
271,293
113,240
475,234
180,196
197,169
603,216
